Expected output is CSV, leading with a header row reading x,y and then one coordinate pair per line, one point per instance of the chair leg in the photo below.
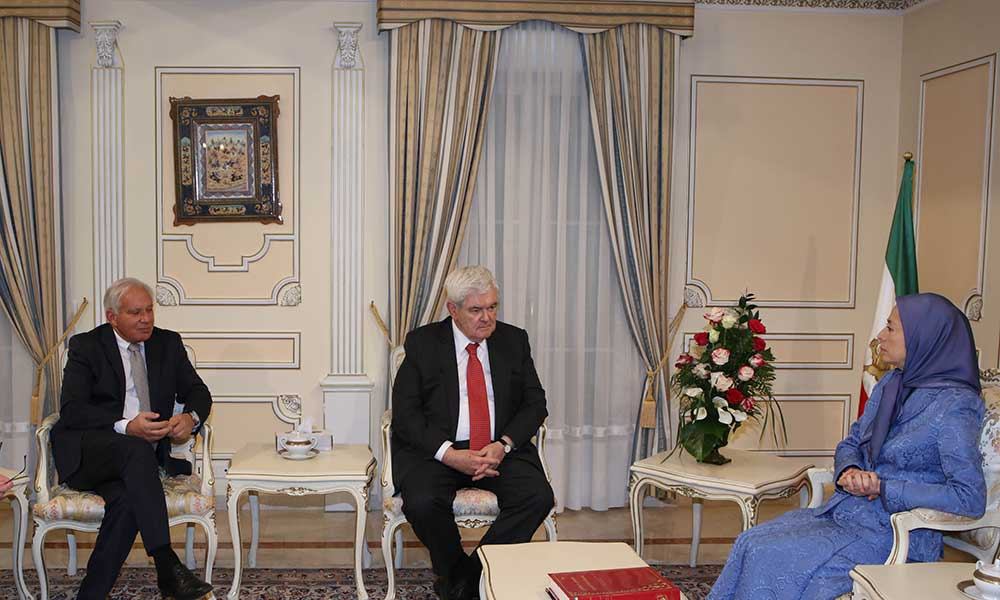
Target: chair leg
x,y
696,505
37,545
212,539
399,549
189,547
254,529
71,545
390,570
550,527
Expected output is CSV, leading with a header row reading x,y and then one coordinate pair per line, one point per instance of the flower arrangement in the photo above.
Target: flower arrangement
x,y
724,379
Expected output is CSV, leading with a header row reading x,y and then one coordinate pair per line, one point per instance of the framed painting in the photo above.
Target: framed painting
x,y
226,160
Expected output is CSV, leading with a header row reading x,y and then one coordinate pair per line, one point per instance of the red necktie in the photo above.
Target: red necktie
x,y
479,409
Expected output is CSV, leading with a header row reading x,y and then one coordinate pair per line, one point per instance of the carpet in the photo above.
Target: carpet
x,y
309,584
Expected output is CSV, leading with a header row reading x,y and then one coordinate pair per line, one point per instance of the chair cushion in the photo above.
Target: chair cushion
x,y
468,502
989,447
183,495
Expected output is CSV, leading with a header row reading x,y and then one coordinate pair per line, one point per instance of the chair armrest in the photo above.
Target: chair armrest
x,y
925,518
42,477
207,472
540,443
388,489
817,478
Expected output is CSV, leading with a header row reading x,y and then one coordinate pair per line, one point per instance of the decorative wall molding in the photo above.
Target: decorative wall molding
x,y
282,406
292,295
347,226
844,399
237,337
846,338
107,163
165,296
175,287
695,287
973,304
840,4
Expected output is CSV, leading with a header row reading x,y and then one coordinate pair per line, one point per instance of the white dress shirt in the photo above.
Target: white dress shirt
x,y
462,358
131,396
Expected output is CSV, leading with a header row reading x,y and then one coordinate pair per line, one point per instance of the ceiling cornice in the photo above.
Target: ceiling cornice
x,y
841,4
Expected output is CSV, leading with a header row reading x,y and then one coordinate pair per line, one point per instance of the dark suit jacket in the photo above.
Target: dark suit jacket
x,y
425,394
93,392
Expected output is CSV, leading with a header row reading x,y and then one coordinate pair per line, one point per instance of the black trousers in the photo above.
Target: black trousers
x,y
524,495
123,470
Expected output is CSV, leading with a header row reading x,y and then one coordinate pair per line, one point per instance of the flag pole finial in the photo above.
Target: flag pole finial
x,y
907,156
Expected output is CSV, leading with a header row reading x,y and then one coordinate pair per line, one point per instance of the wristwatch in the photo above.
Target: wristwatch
x,y
506,447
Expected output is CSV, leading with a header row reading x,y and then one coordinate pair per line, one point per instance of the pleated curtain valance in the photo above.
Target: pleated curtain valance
x,y
676,16
54,13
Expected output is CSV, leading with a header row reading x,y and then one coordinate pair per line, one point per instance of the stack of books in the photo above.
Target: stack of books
x,y
639,583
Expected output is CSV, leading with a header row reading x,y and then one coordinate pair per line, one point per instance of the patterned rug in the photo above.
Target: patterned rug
x,y
309,584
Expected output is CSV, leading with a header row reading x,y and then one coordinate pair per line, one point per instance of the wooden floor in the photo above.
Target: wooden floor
x,y
298,534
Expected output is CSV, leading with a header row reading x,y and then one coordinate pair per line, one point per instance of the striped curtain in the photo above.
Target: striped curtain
x,y
630,70
441,80
28,245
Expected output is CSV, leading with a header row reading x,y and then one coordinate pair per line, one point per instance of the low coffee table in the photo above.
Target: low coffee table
x,y
749,478
19,502
521,571
914,580
258,468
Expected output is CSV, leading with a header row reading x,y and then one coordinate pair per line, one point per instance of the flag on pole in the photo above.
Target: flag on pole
x,y
899,277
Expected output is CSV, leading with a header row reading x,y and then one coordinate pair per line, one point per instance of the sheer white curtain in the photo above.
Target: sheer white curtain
x,y
16,370
538,222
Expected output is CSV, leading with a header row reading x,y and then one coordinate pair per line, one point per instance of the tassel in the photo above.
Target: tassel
x,y
647,414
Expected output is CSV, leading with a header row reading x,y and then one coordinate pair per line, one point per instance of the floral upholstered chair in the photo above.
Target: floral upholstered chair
x,y
472,507
979,537
190,501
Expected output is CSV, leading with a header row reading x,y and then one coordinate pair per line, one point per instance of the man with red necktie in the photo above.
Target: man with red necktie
x,y
465,405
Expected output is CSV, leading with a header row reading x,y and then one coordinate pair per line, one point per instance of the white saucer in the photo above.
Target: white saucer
x,y
969,590
286,455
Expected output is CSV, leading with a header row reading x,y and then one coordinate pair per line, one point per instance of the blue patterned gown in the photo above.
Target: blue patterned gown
x,y
930,459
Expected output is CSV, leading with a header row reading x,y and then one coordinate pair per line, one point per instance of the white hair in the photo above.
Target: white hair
x,y
113,297
463,281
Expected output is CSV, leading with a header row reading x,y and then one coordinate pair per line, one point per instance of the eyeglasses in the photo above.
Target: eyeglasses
x,y
23,470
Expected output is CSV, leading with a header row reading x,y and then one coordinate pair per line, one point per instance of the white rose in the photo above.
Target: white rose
x,y
745,373
720,356
713,335
730,319
701,370
721,382
692,392
714,314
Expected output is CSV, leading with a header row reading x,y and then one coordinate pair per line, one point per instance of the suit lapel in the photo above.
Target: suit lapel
x,y
110,345
500,376
154,360
449,370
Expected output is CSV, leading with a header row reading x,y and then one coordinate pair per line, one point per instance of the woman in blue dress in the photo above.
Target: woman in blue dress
x,y
915,446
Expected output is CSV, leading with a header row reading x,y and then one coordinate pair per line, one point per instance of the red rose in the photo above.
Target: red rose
x,y
734,396
759,344
683,359
701,338
747,404
756,326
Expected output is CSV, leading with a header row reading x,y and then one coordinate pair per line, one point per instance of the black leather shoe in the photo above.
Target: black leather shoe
x,y
183,585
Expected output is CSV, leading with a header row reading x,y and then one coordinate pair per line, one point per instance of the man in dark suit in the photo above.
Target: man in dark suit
x,y
115,430
465,404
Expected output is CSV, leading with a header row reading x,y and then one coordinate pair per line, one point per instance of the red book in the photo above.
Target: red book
x,y
639,583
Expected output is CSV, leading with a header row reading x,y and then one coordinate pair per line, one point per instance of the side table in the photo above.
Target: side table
x,y
258,468
915,580
19,502
749,478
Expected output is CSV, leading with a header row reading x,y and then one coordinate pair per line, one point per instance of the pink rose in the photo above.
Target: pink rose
x,y
757,361
745,373
701,370
715,314
720,356
747,404
683,359
721,382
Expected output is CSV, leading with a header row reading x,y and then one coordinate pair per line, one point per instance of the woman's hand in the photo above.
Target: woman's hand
x,y
860,483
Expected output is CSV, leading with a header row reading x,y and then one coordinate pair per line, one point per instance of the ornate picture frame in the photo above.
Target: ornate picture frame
x,y
226,160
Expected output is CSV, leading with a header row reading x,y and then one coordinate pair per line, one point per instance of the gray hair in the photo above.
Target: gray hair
x,y
474,279
113,297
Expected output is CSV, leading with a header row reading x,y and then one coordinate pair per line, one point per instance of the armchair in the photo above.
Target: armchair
x,y
190,501
472,507
978,537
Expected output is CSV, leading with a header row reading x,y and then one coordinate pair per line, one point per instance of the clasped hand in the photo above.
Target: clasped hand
x,y
178,428
476,463
860,483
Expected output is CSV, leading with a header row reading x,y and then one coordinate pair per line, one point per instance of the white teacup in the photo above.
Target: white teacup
x,y
296,443
987,579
